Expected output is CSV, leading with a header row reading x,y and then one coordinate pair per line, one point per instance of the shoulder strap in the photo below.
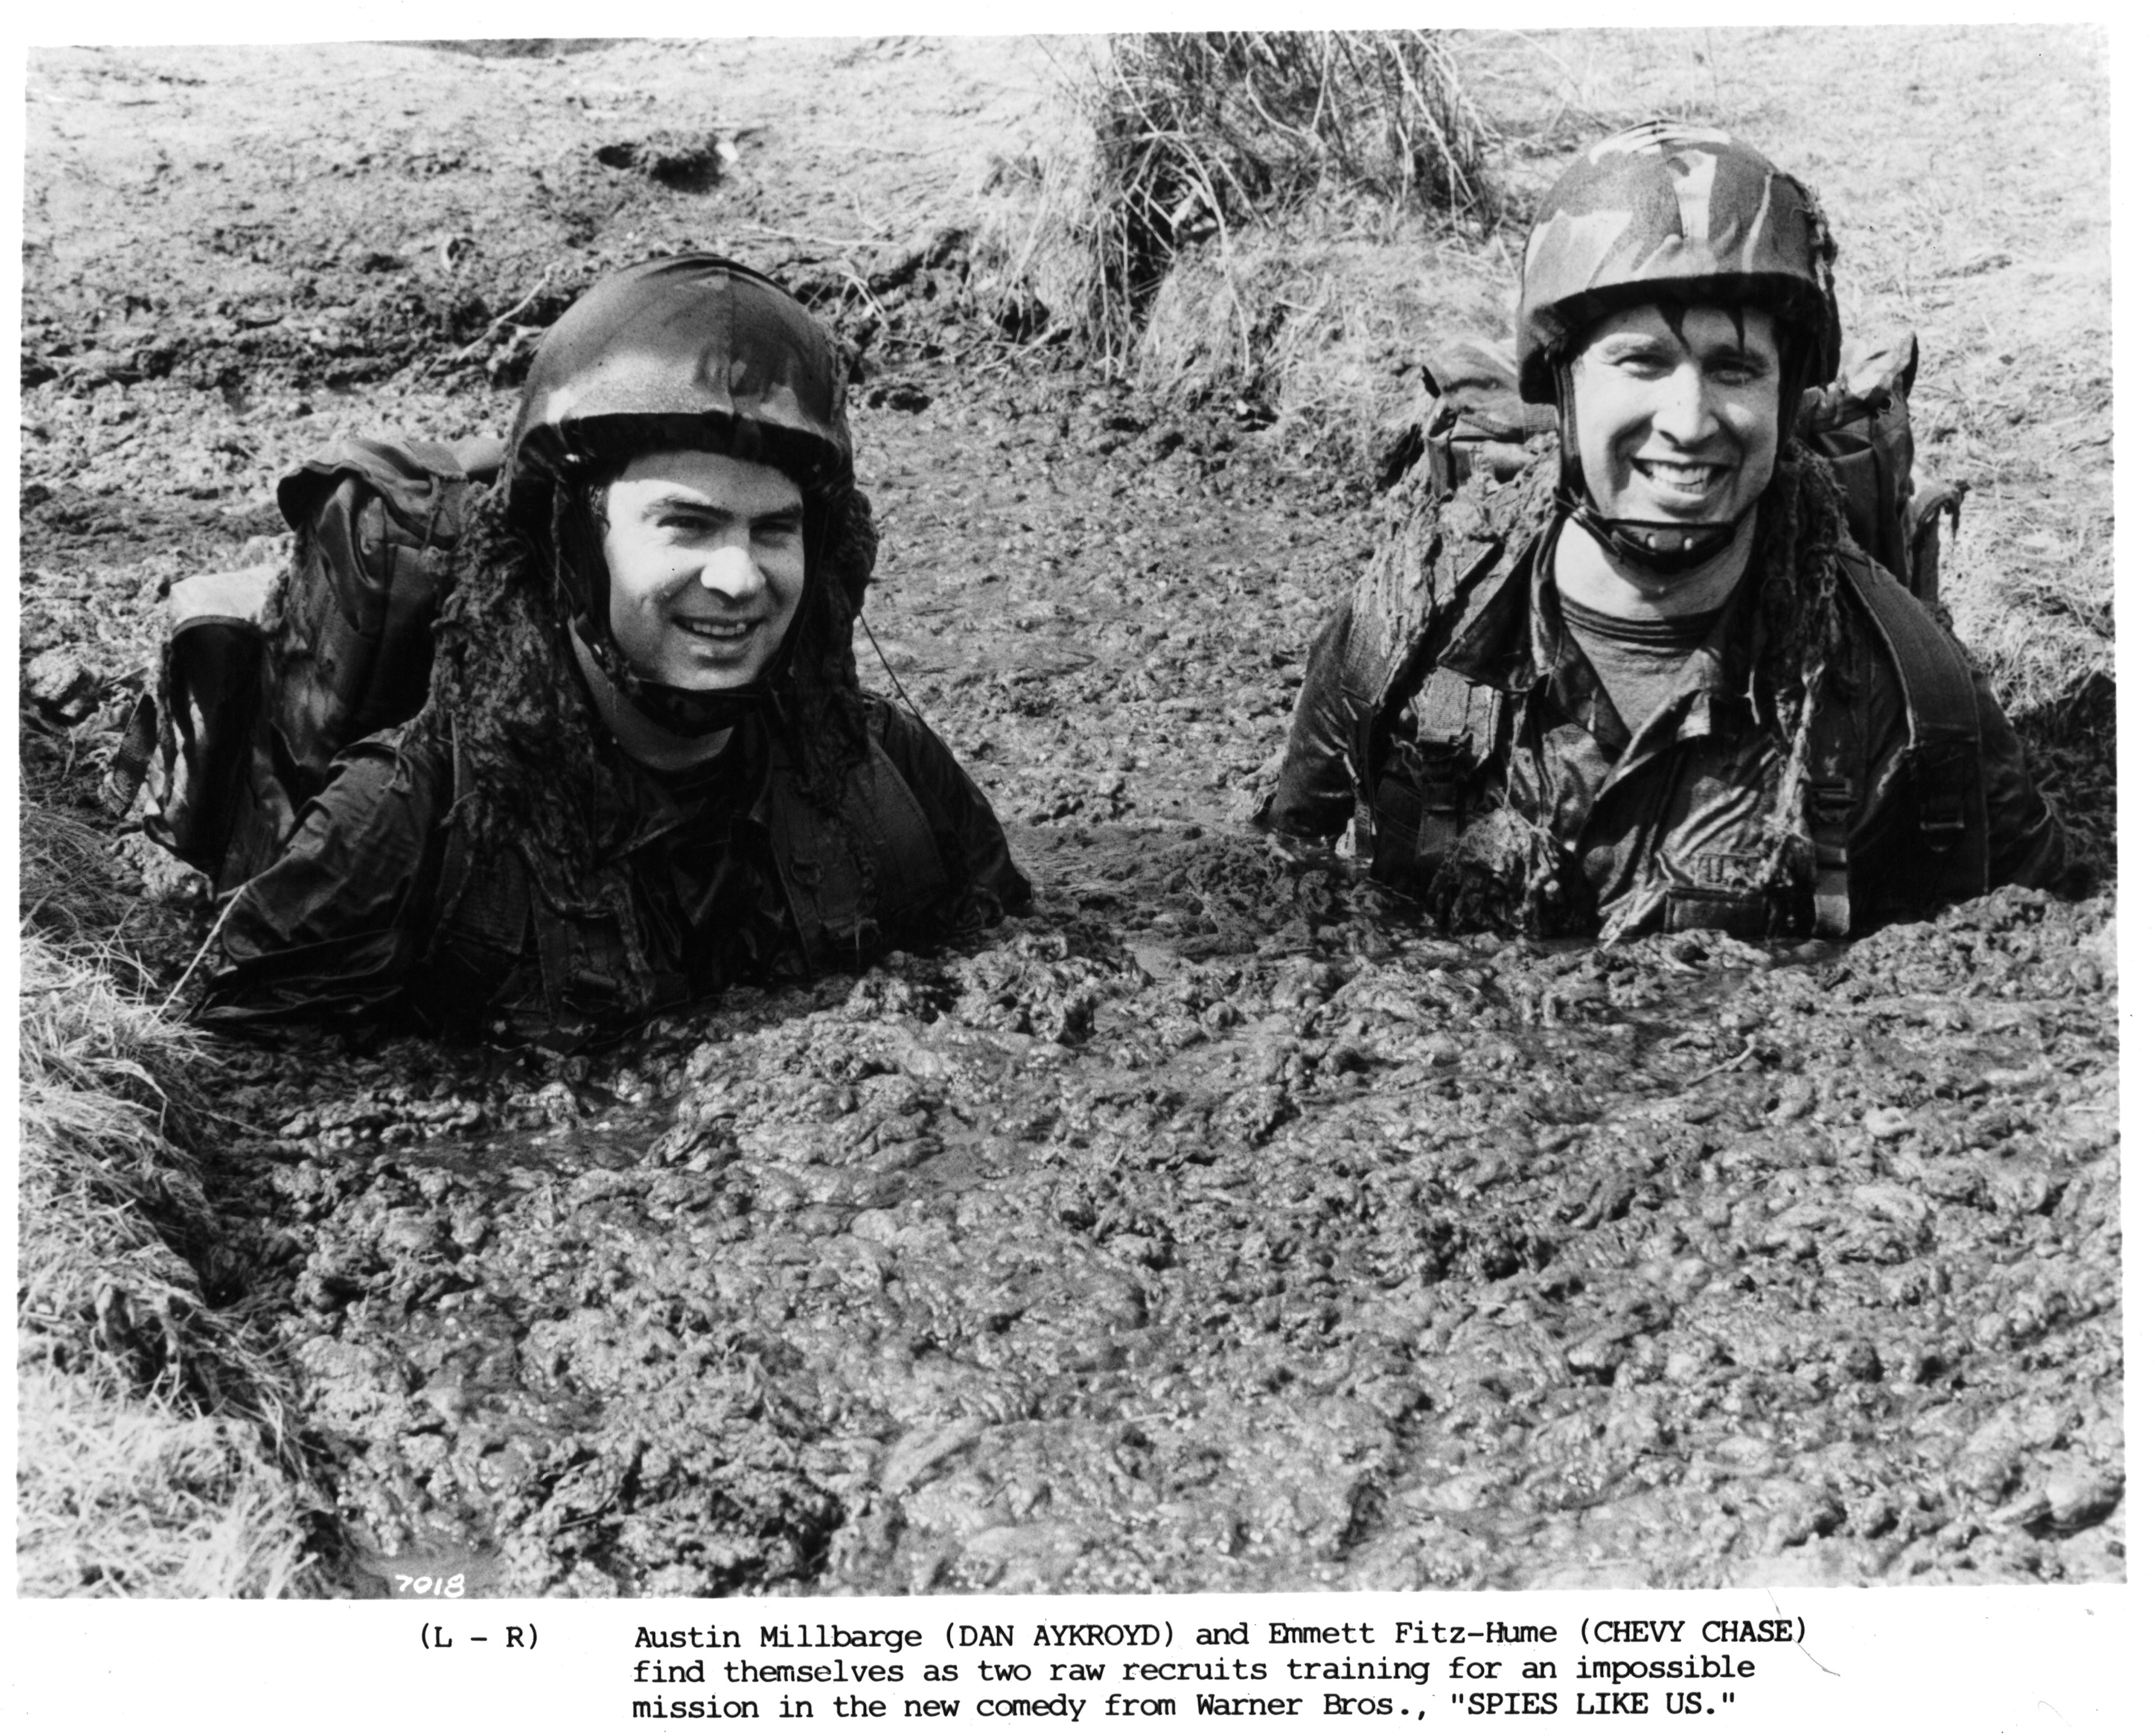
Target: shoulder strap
x,y
490,898
1478,528
1420,590
842,889
1489,474
456,839
1422,794
1831,809
1415,598
909,867
1945,771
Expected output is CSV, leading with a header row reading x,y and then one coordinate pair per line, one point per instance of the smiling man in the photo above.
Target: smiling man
x,y
644,768
1652,682
705,556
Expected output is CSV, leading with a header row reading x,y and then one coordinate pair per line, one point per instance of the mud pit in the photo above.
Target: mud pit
x,y
1278,1247
1216,1227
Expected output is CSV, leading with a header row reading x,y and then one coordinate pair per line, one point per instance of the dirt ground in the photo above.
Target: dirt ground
x,y
1214,1227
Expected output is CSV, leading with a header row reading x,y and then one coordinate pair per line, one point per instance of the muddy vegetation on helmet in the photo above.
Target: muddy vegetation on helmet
x,y
1217,1225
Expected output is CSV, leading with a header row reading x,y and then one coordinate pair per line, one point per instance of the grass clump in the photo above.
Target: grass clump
x,y
1199,135
122,1499
1266,226
156,1451
1185,140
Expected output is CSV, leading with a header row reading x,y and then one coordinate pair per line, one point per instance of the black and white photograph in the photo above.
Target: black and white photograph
x,y
944,816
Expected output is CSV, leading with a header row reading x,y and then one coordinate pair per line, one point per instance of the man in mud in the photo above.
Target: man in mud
x,y
644,767
1649,682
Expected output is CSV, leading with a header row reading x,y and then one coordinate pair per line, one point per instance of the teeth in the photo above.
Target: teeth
x,y
718,629
1680,475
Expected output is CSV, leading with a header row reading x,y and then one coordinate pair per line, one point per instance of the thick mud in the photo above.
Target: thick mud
x,y
1260,1244
1218,1226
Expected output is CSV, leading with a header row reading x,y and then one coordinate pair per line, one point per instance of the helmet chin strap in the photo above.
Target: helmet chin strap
x,y
1651,545
641,736
1665,550
683,711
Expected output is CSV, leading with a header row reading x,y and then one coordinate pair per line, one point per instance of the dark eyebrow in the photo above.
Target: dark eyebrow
x,y
1751,345
674,502
681,503
1752,337
1639,343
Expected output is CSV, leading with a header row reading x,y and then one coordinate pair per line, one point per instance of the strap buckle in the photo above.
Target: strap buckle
x,y
1941,811
1832,804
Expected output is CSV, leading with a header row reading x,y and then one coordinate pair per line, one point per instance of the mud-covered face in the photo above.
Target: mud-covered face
x,y
705,563
1677,412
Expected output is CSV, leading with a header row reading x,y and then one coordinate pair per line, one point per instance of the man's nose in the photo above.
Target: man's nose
x,y
732,572
1684,412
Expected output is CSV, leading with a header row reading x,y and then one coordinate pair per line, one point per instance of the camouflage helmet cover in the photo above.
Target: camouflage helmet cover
x,y
1670,207
684,352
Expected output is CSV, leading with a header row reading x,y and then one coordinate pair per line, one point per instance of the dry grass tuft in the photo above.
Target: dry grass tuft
x,y
67,885
118,1498
1200,135
157,1452
1193,138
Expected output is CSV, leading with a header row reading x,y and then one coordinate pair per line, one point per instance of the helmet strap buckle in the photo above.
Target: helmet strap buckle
x,y
1651,545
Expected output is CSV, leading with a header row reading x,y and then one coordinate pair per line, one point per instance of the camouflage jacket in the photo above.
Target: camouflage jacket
x,y
1448,702
377,908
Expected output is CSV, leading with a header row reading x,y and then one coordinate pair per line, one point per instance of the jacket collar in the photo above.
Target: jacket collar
x,y
1516,637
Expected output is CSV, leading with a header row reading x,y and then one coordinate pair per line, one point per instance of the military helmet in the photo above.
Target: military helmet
x,y
1672,208
689,352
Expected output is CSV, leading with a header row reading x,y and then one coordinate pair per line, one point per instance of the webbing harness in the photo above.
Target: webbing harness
x,y
1421,794
835,904
1945,767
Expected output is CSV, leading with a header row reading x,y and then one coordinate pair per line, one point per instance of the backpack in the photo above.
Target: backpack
x,y
1479,441
270,672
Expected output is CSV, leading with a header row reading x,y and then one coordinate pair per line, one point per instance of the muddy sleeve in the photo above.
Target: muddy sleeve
x,y
989,884
336,927
2028,846
1315,797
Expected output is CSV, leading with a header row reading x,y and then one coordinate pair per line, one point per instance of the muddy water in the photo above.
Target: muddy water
x,y
1269,1242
